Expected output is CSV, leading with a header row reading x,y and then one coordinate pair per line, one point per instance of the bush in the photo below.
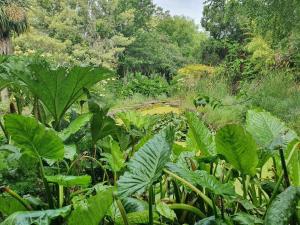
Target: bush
x,y
277,93
134,84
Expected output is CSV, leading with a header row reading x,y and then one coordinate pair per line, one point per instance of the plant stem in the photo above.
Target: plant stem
x,y
122,211
191,186
61,195
189,208
244,186
284,167
4,131
46,185
151,193
296,146
16,196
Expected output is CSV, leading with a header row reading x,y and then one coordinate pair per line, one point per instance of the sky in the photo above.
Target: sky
x,y
190,8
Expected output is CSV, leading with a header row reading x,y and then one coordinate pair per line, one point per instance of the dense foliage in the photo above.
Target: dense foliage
x,y
119,113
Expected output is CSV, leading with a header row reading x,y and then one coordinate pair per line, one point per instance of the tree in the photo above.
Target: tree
x,y
151,52
12,20
184,32
221,18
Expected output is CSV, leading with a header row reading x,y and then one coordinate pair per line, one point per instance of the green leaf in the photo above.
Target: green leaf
x,y
59,89
101,126
164,210
211,221
134,119
141,217
9,205
75,126
33,138
283,207
238,147
145,167
69,181
116,158
268,131
70,152
36,217
199,135
92,210
246,219
203,179
134,205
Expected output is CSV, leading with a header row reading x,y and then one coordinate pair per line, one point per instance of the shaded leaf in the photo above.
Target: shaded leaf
x,y
75,126
36,217
283,207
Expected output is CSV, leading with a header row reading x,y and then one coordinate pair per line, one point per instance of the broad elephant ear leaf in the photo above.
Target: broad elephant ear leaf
x,y
268,131
203,179
58,89
147,164
199,135
238,147
36,217
33,138
283,207
92,210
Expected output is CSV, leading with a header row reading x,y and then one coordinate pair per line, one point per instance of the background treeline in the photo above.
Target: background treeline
x,y
126,35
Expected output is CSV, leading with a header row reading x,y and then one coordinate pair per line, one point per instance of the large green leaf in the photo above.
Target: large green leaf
x,y
75,126
9,205
59,89
69,181
200,135
147,164
34,138
92,210
36,217
268,131
203,179
238,147
283,207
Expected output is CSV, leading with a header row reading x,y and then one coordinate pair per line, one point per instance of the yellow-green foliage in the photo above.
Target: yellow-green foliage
x,y
262,54
191,74
196,70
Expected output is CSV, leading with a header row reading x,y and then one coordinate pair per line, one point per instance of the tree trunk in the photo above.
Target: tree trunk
x,y
5,49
